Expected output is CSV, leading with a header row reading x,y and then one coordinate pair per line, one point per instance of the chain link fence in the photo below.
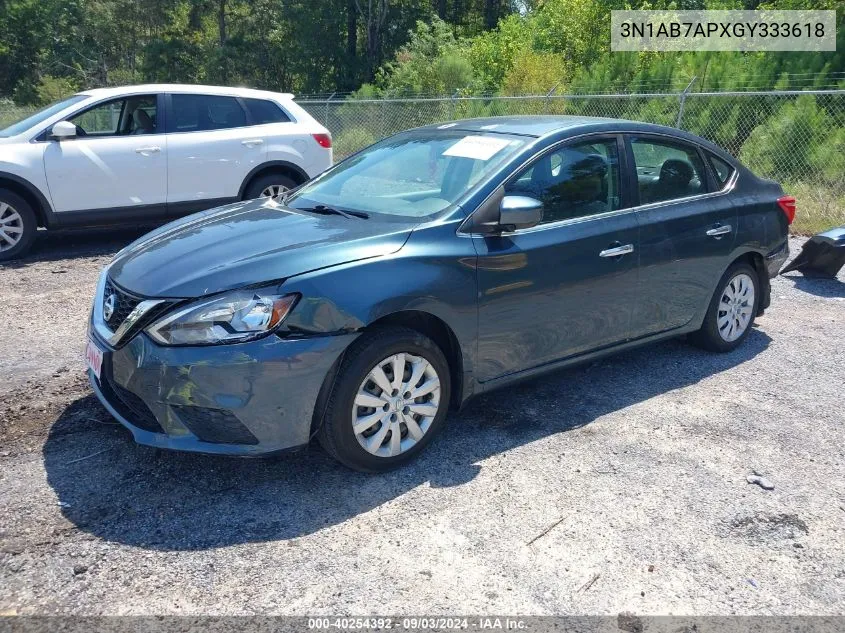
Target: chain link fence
x,y
795,137
11,113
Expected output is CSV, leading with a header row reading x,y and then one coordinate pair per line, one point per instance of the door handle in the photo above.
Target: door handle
x,y
153,149
719,231
251,142
617,251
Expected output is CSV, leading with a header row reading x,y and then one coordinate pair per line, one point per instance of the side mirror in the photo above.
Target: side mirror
x,y
63,130
519,212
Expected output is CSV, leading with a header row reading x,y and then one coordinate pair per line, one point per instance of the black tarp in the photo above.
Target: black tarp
x,y
822,256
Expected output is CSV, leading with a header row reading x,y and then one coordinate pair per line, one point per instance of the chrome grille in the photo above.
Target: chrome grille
x,y
127,313
124,303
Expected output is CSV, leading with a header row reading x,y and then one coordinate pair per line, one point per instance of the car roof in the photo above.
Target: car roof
x,y
564,125
118,91
544,125
529,125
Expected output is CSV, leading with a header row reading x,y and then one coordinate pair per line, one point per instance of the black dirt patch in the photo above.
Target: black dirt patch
x,y
767,527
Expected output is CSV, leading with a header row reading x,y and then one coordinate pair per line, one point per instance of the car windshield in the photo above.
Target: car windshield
x,y
415,174
23,125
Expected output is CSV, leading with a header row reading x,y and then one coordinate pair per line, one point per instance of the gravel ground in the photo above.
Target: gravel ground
x,y
614,487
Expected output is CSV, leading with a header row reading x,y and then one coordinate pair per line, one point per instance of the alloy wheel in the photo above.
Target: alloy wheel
x,y
274,191
735,308
11,226
396,404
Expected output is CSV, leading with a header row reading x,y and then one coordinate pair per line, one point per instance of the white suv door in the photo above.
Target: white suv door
x,y
117,159
211,149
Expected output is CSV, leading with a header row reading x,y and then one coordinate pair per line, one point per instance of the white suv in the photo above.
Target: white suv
x,y
142,153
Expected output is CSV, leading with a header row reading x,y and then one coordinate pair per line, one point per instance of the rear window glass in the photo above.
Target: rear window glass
x,y
263,111
722,169
194,113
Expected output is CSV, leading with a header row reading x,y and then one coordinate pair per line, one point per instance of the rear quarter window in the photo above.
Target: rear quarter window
x,y
263,111
721,169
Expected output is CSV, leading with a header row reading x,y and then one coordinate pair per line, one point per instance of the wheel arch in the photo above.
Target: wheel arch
x,y
426,324
756,261
291,170
438,331
33,196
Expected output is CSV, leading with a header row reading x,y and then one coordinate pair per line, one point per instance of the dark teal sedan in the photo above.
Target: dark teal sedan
x,y
433,266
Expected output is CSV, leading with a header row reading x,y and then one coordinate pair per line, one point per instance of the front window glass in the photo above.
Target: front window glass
x,y
32,120
101,120
573,181
667,171
120,117
415,174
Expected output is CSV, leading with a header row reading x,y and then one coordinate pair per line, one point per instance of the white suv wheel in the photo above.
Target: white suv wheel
x,y
11,227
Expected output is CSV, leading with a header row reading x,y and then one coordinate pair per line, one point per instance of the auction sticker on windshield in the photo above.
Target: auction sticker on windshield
x,y
93,357
477,147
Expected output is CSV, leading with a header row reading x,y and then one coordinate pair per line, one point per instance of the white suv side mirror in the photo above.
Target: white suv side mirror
x,y
63,129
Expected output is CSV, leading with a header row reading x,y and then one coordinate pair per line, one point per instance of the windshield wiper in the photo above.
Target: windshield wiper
x,y
321,208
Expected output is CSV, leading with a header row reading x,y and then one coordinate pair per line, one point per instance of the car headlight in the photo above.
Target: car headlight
x,y
232,317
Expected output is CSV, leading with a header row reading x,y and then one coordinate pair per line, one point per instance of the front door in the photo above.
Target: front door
x,y
687,233
566,286
118,158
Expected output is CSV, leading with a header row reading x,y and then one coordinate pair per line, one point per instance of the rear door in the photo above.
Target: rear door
x,y
118,160
212,148
284,138
687,231
566,286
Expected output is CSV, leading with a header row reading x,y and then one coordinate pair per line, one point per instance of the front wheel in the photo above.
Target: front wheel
x,y
731,312
390,398
18,225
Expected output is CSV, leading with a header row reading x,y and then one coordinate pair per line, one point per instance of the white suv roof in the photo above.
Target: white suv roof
x,y
185,88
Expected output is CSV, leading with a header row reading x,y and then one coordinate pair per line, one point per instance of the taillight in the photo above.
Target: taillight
x,y
787,205
323,140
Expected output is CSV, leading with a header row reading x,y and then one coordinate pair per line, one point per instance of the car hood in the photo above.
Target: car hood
x,y
247,243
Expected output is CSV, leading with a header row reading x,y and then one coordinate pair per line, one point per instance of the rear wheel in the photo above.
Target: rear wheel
x,y
273,185
18,225
390,398
732,310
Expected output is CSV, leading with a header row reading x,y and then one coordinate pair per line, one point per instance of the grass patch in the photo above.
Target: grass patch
x,y
819,207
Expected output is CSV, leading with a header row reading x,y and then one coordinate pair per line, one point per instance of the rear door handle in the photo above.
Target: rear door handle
x,y
719,231
252,142
153,149
617,251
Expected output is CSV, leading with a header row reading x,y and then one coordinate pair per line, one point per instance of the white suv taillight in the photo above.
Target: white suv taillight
x,y
323,140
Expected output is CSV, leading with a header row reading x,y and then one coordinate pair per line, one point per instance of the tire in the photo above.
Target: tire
x,y
716,335
377,348
18,225
258,186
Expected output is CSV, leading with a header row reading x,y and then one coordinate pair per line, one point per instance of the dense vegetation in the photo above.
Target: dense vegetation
x,y
400,48
48,47
397,47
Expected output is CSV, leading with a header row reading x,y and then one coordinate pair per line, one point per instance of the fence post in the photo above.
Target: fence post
x,y
326,116
384,99
549,96
683,99
452,105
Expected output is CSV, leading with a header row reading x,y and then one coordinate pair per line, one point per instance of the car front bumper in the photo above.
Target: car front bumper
x,y
242,399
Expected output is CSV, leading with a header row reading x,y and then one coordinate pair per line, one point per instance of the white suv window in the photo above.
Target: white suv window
x,y
119,117
263,111
198,113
